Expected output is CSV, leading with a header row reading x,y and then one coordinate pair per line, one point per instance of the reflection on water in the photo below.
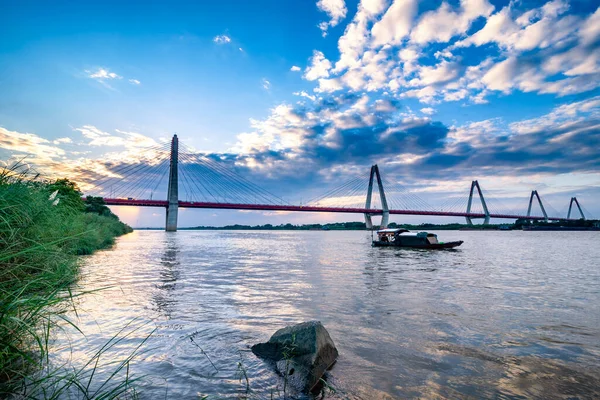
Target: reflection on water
x,y
165,298
509,314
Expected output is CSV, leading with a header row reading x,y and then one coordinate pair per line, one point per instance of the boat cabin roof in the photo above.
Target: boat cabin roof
x,y
404,232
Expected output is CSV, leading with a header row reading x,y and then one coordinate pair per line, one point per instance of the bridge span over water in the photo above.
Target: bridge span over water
x,y
212,181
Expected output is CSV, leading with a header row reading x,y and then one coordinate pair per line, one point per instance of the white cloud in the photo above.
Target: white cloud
x,y
538,28
134,82
319,67
537,51
102,74
408,54
560,116
515,74
590,31
443,72
351,45
455,95
329,85
501,76
409,57
554,8
137,140
266,84
222,39
283,129
295,68
35,147
428,111
91,132
395,24
477,134
98,137
384,105
335,9
573,85
128,140
62,140
425,95
576,61
304,94
434,26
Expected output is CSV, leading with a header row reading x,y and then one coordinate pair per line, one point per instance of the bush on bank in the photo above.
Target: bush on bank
x,y
44,226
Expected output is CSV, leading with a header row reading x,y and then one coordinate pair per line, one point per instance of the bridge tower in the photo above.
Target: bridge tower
x,y
535,193
385,217
574,199
173,191
486,212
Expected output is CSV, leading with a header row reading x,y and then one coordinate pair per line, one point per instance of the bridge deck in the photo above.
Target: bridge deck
x,y
272,207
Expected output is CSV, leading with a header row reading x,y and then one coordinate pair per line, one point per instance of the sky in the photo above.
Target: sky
x,y
301,96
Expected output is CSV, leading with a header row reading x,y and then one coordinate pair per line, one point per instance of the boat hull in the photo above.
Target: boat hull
x,y
436,246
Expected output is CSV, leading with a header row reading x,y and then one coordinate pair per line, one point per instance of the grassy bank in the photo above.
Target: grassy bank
x,y
44,226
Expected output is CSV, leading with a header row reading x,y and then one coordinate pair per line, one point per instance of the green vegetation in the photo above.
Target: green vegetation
x,y
447,227
43,227
360,226
336,226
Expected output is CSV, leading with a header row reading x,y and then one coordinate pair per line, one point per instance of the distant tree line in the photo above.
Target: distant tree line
x,y
361,226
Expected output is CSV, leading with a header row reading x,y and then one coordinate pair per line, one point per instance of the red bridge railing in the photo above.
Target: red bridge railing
x,y
275,207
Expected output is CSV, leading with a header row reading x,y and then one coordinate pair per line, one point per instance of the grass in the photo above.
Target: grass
x,y
43,229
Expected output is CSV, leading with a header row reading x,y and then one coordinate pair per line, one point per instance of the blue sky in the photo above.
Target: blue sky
x,y
300,95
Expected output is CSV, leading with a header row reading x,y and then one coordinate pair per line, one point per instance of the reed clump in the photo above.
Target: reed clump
x,y
44,226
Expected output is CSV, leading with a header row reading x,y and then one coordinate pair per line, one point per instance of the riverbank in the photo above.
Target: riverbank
x,y
361,226
44,227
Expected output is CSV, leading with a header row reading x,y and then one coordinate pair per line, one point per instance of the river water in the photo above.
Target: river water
x,y
507,315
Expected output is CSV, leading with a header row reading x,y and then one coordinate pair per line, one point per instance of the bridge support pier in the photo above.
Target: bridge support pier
x,y
535,193
574,199
474,185
173,190
385,217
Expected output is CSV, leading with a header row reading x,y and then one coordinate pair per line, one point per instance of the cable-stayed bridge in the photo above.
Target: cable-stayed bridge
x,y
205,183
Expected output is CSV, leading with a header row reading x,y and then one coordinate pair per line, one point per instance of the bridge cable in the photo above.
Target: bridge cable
x,y
201,177
240,180
133,169
350,183
144,184
157,176
258,191
192,164
206,174
125,184
123,168
336,192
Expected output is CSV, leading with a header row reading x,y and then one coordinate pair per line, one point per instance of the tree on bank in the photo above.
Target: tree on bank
x,y
69,194
97,205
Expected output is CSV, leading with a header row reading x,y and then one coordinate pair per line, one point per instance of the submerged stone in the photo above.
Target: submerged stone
x,y
302,353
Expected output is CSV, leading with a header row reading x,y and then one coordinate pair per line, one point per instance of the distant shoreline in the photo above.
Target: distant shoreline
x,y
585,225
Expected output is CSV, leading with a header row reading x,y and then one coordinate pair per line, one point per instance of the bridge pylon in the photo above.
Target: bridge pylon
x,y
173,190
385,217
535,193
574,200
475,184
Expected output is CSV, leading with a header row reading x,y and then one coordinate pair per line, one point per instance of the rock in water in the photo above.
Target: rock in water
x,y
302,353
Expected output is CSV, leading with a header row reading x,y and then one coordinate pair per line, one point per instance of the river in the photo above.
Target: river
x,y
507,315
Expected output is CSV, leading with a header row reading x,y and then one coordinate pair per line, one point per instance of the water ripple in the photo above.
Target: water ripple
x,y
509,315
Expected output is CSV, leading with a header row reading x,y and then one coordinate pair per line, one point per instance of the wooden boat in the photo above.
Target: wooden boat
x,y
404,238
